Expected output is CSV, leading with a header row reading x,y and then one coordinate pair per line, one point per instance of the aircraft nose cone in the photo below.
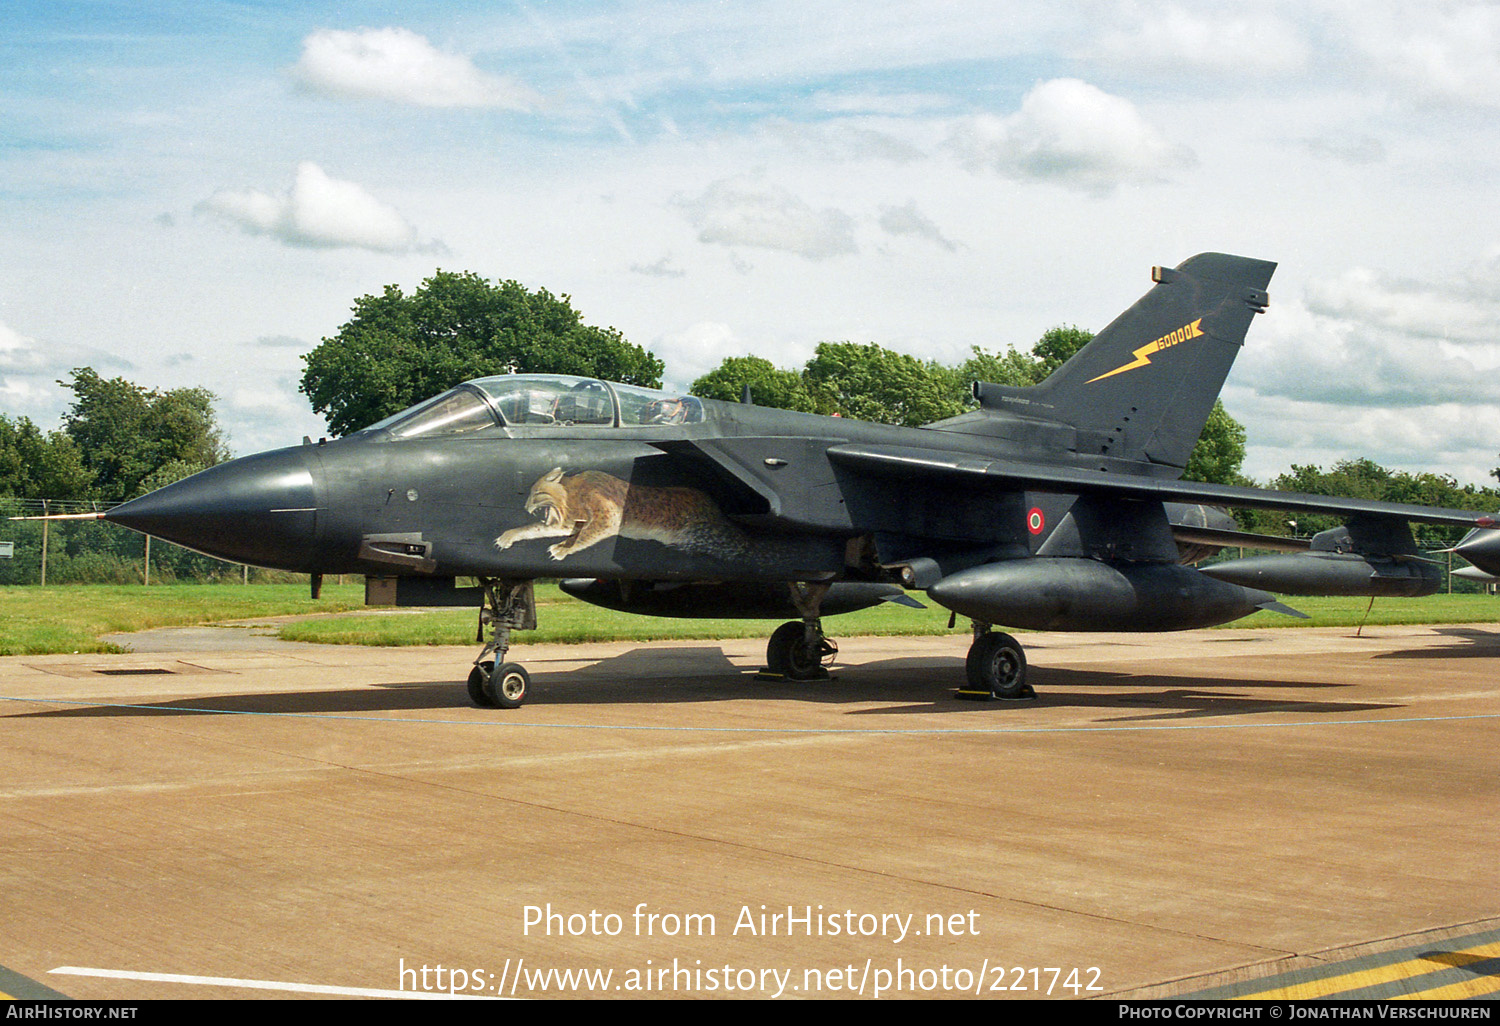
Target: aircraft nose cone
x,y
1482,548
260,510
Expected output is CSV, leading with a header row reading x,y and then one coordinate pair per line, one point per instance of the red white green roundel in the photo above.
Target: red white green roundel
x,y
1035,521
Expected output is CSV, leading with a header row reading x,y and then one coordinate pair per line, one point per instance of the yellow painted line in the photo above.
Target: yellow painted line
x,y
1375,977
1479,986
6,997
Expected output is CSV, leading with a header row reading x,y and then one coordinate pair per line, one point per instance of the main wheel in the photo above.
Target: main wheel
x,y
997,664
478,678
507,685
789,654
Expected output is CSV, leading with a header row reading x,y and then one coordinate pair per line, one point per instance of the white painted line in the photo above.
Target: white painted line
x,y
301,988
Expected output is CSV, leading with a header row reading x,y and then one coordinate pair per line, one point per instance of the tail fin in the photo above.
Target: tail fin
x,y
1144,387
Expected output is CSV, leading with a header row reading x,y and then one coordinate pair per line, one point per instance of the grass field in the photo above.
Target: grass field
x,y
71,618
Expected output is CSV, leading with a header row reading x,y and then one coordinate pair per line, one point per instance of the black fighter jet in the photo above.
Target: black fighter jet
x,y
1055,507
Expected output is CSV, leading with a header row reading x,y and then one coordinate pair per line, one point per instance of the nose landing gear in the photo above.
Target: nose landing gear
x,y
508,606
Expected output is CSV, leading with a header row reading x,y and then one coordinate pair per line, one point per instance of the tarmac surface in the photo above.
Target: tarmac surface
x,y
1224,813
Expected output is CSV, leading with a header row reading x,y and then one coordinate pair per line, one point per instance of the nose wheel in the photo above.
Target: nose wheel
x,y
502,687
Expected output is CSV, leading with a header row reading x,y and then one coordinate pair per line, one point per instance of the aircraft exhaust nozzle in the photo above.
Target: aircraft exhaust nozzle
x,y
1074,594
1329,573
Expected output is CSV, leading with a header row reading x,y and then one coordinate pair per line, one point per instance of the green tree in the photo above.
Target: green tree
x,y
398,350
1010,368
1220,451
34,465
125,432
868,382
782,389
1057,346
1366,479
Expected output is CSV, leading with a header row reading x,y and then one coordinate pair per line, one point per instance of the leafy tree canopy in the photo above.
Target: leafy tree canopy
x,y
1366,479
34,465
783,389
398,350
125,433
868,382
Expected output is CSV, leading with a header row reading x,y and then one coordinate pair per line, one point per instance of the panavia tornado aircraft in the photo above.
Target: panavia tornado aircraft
x,y
1054,507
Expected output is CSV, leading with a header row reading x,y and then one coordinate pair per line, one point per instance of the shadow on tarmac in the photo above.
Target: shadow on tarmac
x,y
921,686
1468,642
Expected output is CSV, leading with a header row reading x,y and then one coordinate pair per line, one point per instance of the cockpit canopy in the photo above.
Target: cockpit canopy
x,y
511,400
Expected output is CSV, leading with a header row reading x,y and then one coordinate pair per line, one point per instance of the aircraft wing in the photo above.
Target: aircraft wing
x,y
916,463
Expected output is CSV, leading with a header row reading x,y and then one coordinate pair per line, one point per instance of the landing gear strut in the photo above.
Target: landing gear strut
x,y
797,649
495,683
996,667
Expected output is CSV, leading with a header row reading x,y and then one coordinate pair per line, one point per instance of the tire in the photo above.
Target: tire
x,y
997,664
789,655
507,686
478,678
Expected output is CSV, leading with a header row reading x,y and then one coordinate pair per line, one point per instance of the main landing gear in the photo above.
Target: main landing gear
x,y
996,667
495,683
797,649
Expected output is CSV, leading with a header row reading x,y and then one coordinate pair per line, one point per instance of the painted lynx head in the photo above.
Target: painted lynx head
x,y
549,498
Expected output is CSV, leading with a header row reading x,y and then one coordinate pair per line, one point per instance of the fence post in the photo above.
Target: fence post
x,y
44,544
146,572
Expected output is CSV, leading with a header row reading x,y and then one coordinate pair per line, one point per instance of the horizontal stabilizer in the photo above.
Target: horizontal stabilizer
x,y
1284,609
902,599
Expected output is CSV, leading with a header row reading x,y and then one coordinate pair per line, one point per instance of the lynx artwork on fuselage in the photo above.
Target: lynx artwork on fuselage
x,y
1055,507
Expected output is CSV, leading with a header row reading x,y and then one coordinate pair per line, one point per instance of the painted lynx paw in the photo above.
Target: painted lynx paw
x,y
506,540
559,550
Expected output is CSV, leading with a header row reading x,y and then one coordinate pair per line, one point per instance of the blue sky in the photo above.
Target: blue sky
x,y
195,193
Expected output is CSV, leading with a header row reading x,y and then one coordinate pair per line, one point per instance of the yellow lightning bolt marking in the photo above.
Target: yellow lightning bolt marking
x,y
1143,354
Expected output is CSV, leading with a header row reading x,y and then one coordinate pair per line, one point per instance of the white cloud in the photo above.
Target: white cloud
x,y
844,140
318,212
1356,150
1444,50
30,371
1464,310
1354,345
400,66
699,348
744,211
1245,39
908,220
663,268
1072,133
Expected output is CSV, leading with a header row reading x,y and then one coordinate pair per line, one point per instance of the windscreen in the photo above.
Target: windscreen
x,y
453,413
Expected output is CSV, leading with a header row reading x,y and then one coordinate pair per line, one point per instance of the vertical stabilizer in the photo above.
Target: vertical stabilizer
x,y
1144,387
